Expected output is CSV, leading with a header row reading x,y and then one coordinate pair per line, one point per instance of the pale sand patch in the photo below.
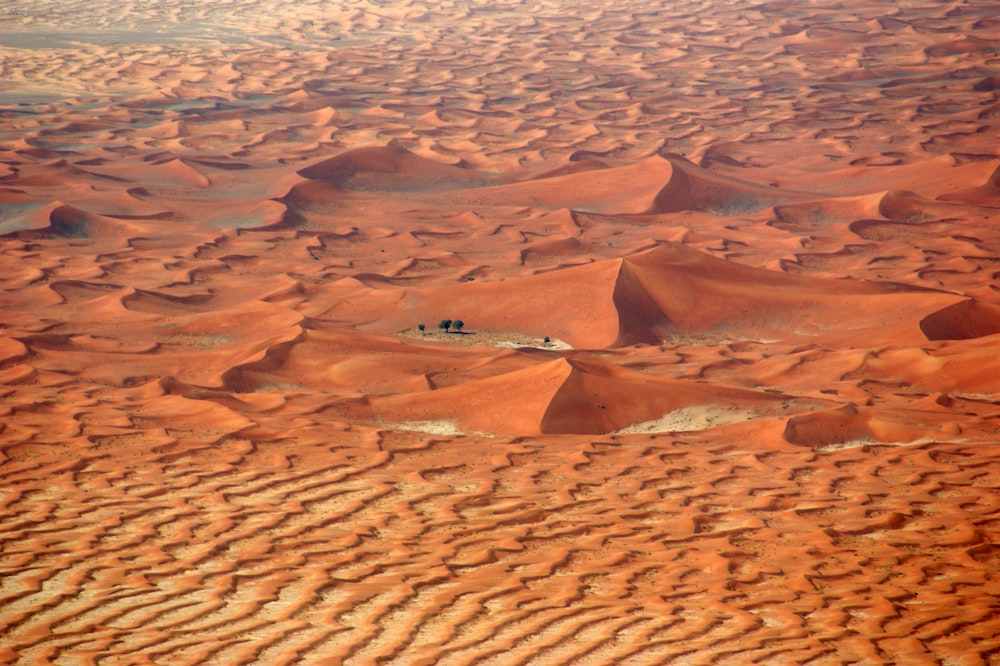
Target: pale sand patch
x,y
688,419
505,340
870,441
441,427
553,343
708,338
851,444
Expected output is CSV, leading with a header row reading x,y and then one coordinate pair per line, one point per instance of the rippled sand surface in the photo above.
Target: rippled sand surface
x,y
726,389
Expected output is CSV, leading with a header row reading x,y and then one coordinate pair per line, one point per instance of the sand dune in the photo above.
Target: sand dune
x,y
575,395
725,390
658,184
650,297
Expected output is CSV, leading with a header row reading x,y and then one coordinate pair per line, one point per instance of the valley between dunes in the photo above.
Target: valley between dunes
x,y
727,389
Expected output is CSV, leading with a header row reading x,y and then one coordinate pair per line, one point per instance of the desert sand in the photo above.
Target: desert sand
x,y
727,390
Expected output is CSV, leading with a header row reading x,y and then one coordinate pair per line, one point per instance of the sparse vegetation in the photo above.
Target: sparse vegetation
x,y
421,327
458,325
486,337
444,325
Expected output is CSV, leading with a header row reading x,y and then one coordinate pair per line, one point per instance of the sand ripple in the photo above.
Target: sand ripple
x,y
726,389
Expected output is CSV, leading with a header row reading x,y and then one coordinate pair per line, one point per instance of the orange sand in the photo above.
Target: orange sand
x,y
763,240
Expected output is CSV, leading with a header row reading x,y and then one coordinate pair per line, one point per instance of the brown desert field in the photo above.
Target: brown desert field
x,y
722,384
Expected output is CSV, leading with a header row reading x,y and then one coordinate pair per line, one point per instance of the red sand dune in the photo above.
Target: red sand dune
x,y
565,395
649,297
726,390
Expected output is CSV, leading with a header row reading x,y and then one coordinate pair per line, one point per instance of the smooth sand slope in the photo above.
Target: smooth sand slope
x,y
727,389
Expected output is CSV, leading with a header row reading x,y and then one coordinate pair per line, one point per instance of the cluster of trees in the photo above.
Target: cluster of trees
x,y
446,325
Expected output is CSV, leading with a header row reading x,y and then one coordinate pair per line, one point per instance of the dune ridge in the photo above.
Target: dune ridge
x,y
725,389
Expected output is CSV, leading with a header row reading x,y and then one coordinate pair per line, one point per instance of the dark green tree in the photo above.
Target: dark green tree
x,y
445,325
458,325
421,327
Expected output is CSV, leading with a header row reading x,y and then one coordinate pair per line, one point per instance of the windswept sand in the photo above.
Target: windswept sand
x,y
762,240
